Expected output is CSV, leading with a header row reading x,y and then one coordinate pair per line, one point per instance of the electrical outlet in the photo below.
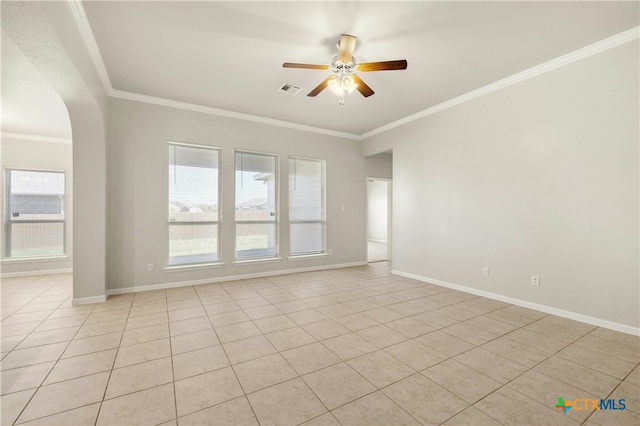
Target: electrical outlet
x,y
485,272
535,280
149,266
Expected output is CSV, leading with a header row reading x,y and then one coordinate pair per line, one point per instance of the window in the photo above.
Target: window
x,y
35,222
306,206
256,206
193,208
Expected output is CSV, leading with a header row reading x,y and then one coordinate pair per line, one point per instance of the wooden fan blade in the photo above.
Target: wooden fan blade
x,y
320,87
382,66
347,46
362,86
306,66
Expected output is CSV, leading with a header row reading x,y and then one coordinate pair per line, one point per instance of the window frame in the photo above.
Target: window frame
x,y
169,223
323,221
8,217
276,219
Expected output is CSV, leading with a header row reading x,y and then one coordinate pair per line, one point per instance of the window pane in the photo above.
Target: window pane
x,y
306,195
256,182
36,195
36,239
306,206
255,240
193,244
193,184
307,238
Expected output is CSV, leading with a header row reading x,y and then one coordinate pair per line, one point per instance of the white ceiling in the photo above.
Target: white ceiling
x,y
229,55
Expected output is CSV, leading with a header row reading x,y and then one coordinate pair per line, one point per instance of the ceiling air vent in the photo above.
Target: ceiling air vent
x,y
290,89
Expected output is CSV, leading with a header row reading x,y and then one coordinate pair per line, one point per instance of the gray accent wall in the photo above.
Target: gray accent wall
x,y
538,178
137,185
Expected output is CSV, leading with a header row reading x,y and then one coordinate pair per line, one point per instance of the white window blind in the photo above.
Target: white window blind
x,y
256,188
193,204
307,220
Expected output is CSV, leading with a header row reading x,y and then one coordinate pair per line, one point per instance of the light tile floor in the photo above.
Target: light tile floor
x,y
348,346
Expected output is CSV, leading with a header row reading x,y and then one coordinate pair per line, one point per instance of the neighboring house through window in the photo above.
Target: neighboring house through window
x,y
256,182
35,213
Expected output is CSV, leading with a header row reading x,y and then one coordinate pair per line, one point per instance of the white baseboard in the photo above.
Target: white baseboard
x,y
34,273
89,300
525,304
162,286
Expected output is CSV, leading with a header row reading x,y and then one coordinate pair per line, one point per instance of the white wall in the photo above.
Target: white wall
x,y
541,177
377,210
47,33
380,165
24,154
137,175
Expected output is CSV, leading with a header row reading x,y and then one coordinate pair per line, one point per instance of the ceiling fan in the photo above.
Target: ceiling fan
x,y
343,80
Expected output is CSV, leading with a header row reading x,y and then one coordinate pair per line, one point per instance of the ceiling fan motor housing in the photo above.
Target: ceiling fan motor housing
x,y
343,79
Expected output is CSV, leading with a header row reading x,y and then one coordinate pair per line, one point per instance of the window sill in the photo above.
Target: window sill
x,y
252,261
177,268
307,256
34,259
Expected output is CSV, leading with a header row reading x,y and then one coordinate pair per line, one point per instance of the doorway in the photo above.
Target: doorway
x,y
378,219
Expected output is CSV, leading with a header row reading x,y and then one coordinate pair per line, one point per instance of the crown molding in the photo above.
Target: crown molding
x,y
576,55
121,94
94,51
590,50
90,41
36,138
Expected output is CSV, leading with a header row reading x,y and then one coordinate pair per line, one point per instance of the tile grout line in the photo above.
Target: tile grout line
x,y
244,394
298,376
54,366
115,358
329,286
41,321
342,361
529,369
279,352
616,387
173,370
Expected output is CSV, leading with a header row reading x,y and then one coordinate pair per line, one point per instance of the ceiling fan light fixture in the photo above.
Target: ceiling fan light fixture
x,y
344,81
348,84
342,85
335,86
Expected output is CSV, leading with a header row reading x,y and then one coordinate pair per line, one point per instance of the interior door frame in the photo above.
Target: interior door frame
x,y
389,215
